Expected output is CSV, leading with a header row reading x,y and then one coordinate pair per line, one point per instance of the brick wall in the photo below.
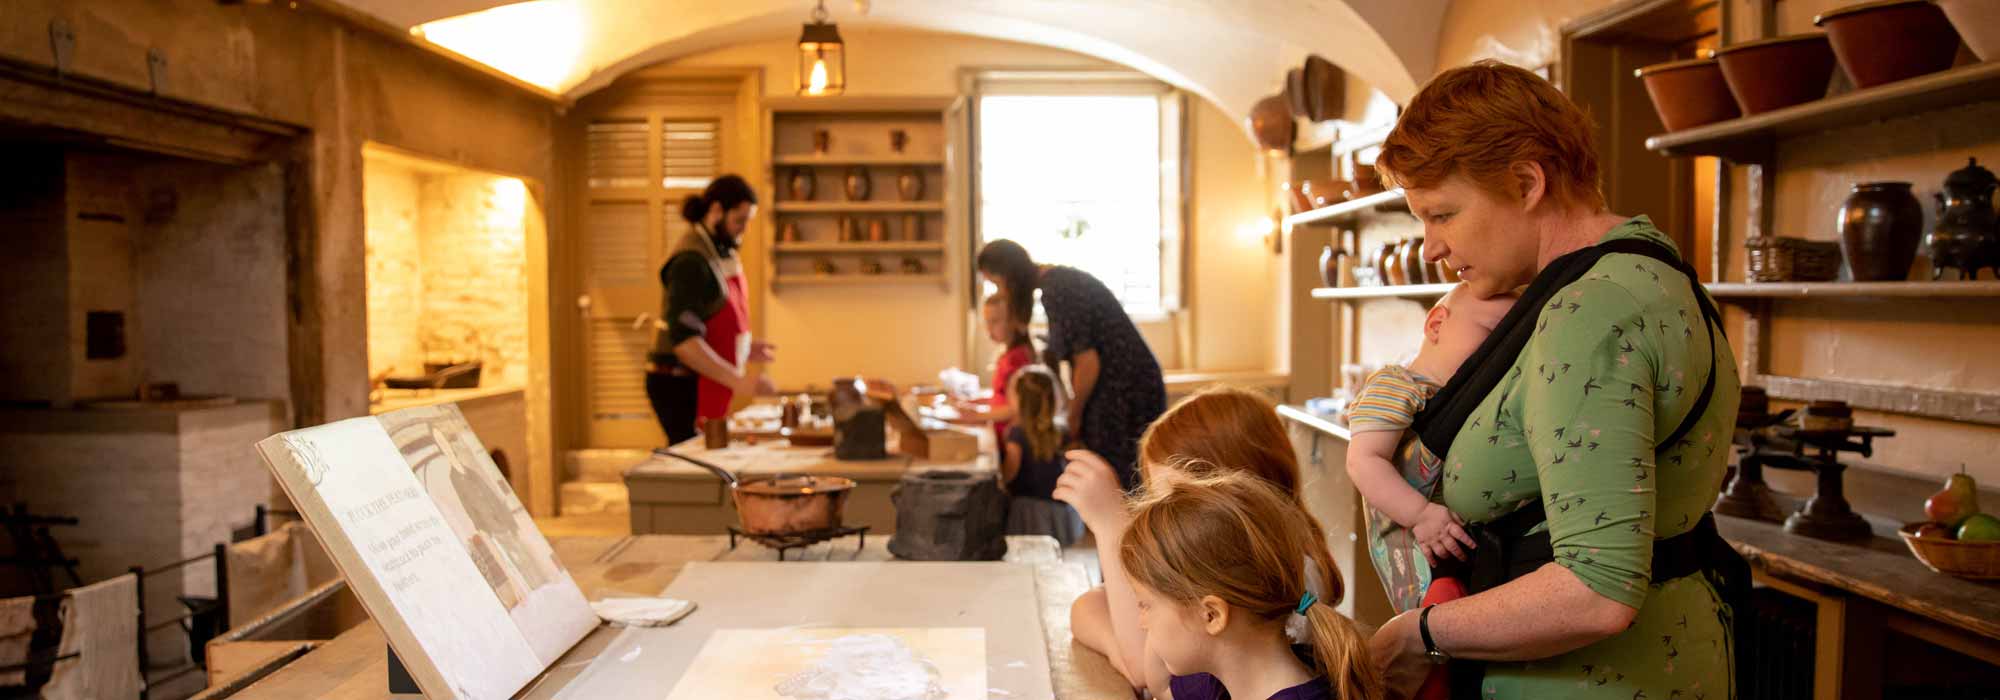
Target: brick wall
x,y
395,276
446,271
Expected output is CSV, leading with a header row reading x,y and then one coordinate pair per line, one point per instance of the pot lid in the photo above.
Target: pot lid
x,y
1863,7
1807,36
1970,180
796,485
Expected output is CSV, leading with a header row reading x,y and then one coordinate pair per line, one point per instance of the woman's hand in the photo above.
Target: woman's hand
x,y
755,385
1090,485
761,351
1398,652
1440,534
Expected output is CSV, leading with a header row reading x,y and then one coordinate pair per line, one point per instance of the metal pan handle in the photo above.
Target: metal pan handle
x,y
719,472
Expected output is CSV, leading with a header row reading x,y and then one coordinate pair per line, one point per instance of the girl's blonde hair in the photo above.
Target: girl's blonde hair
x,y
1237,537
1037,398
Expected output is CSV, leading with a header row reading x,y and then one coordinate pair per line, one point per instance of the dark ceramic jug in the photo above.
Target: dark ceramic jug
x,y
1880,225
1966,237
1329,271
802,184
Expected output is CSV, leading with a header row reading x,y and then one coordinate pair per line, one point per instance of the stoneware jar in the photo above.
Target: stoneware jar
x,y
910,184
802,184
858,184
1966,236
878,230
1880,225
1329,270
1412,256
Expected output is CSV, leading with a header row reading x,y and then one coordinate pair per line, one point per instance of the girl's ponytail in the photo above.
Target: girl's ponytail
x,y
1342,653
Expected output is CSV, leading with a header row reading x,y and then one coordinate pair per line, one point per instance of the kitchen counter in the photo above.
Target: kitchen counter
x,y
354,667
397,399
670,496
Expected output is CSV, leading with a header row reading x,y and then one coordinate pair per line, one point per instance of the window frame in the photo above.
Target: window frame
x,y
1175,176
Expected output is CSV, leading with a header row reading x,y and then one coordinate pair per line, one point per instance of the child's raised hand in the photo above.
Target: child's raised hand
x,y
1440,534
1090,485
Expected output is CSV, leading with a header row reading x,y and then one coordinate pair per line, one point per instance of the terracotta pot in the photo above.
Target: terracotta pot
x,y
1883,42
1411,255
850,230
802,184
783,504
898,138
789,233
1967,235
878,230
1777,73
824,266
1295,92
913,227
821,140
1323,192
871,267
858,184
1392,264
1326,89
910,184
1446,273
1295,196
913,266
1366,181
1689,93
1271,122
1329,268
1880,225
1978,22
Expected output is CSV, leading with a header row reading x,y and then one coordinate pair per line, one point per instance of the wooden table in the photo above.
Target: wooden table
x,y
1862,590
670,496
354,666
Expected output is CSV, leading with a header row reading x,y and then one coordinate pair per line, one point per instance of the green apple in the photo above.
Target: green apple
x,y
1980,528
1958,500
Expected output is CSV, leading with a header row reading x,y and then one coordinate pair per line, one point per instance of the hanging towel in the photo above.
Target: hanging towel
x,y
17,629
265,573
100,624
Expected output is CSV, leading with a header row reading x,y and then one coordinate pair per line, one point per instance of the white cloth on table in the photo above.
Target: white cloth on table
x,y
642,612
17,630
100,625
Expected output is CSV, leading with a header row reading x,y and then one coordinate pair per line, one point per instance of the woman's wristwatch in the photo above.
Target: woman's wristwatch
x,y
1437,656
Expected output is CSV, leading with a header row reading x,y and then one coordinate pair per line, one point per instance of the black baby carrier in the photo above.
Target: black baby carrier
x,y
1505,551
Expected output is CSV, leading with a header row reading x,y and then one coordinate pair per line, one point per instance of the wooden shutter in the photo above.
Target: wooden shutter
x,y
688,154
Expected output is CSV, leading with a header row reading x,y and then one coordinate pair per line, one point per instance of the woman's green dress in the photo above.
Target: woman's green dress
x,y
1616,362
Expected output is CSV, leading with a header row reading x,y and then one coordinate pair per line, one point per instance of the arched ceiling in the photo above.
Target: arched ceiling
x,y
1229,51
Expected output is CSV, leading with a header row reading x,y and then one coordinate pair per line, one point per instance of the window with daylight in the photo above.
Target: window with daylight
x,y
1086,173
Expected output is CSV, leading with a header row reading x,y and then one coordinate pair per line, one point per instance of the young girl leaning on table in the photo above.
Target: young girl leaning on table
x,y
1032,459
1010,330
1220,564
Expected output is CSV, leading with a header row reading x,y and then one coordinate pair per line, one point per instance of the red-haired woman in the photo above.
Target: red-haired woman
x,y
1590,440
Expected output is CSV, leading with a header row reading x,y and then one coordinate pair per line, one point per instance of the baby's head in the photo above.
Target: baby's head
x,y
1455,327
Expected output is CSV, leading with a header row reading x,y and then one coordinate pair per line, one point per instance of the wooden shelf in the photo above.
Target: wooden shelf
x,y
831,161
1948,289
1391,200
786,104
1400,291
855,278
863,247
857,207
1315,421
1750,139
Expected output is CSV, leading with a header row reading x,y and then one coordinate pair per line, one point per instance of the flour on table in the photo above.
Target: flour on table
x,y
866,667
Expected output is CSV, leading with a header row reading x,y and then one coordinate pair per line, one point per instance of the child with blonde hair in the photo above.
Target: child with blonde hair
x,y
1220,563
1032,460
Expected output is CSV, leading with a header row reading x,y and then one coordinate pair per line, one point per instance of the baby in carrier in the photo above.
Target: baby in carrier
x,y
1391,468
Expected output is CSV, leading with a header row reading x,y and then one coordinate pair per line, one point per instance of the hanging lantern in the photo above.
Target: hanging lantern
x,y
822,58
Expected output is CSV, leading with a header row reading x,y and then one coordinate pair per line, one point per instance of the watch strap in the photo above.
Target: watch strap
x,y
1424,628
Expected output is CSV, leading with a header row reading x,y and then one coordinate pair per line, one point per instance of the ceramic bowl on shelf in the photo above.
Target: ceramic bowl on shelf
x,y
1271,122
1689,93
1326,89
1777,73
1883,42
1321,192
1978,22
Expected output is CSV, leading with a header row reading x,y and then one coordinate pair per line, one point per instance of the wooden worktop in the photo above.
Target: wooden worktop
x,y
772,457
354,665
1878,568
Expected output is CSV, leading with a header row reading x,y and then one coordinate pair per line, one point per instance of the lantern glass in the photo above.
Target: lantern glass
x,y
822,60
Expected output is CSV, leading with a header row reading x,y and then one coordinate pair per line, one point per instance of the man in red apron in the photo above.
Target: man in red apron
x,y
703,340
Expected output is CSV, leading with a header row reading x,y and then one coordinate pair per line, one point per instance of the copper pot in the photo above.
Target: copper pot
x,y
786,504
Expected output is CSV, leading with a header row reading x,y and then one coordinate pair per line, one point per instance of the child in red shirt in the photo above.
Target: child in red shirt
x,y
1010,330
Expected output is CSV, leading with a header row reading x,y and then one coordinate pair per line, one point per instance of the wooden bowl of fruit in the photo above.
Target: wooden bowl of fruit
x,y
1934,545
1958,540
